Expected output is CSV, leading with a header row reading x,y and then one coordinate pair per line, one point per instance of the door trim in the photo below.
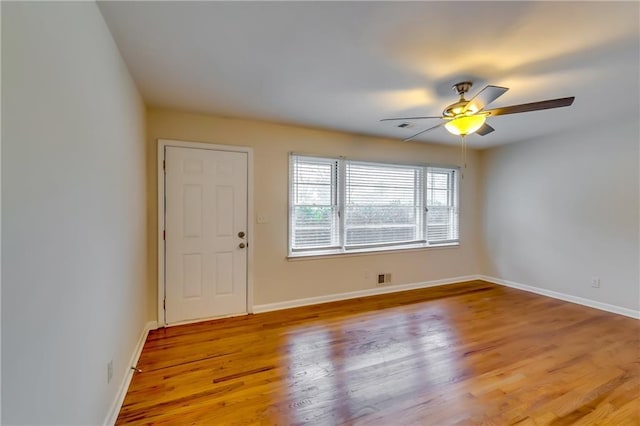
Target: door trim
x,y
162,144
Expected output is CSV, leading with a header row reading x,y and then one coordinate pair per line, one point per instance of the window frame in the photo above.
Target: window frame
x,y
340,181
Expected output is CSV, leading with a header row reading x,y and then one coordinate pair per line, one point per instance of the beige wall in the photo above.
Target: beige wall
x,y
561,210
276,278
73,215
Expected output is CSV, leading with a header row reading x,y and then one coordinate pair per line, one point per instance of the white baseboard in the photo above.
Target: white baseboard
x,y
424,284
360,293
563,296
112,415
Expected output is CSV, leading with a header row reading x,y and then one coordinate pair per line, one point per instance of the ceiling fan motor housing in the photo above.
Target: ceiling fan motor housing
x,y
457,108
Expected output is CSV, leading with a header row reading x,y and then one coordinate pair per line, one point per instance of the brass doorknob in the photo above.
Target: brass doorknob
x,y
241,245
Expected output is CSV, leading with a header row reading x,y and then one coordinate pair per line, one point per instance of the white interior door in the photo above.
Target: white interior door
x,y
205,240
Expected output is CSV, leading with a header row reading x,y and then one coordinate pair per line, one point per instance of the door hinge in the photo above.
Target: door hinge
x,y
164,304
164,165
164,235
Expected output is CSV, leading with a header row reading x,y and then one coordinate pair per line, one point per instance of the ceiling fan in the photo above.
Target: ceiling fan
x,y
468,116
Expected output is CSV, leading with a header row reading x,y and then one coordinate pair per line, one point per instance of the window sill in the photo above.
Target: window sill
x,y
313,255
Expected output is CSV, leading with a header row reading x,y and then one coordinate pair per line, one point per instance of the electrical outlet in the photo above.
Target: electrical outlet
x,y
595,282
109,371
380,280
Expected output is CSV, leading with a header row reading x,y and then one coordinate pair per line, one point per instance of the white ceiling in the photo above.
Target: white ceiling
x,y
346,65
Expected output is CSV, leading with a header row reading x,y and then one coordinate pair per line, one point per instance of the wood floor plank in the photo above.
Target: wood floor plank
x,y
467,353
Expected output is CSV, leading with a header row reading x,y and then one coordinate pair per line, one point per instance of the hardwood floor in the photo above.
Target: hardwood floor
x,y
462,354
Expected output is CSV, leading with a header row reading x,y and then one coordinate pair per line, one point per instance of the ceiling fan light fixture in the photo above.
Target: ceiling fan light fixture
x,y
466,124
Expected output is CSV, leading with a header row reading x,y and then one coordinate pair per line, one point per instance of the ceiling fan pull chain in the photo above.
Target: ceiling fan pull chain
x,y
464,151
464,142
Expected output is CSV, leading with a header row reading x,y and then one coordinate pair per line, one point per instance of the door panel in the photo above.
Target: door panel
x,y
206,208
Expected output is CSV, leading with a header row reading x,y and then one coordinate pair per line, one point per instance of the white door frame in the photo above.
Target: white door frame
x,y
162,144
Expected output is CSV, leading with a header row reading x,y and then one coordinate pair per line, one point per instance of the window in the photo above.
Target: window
x,y
340,206
442,205
383,204
314,201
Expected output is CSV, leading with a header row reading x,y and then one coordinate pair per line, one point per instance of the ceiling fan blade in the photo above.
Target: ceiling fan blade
x,y
406,118
533,106
424,131
485,97
485,130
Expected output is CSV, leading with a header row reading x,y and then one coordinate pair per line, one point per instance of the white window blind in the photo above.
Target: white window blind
x,y
338,206
314,203
383,204
442,205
